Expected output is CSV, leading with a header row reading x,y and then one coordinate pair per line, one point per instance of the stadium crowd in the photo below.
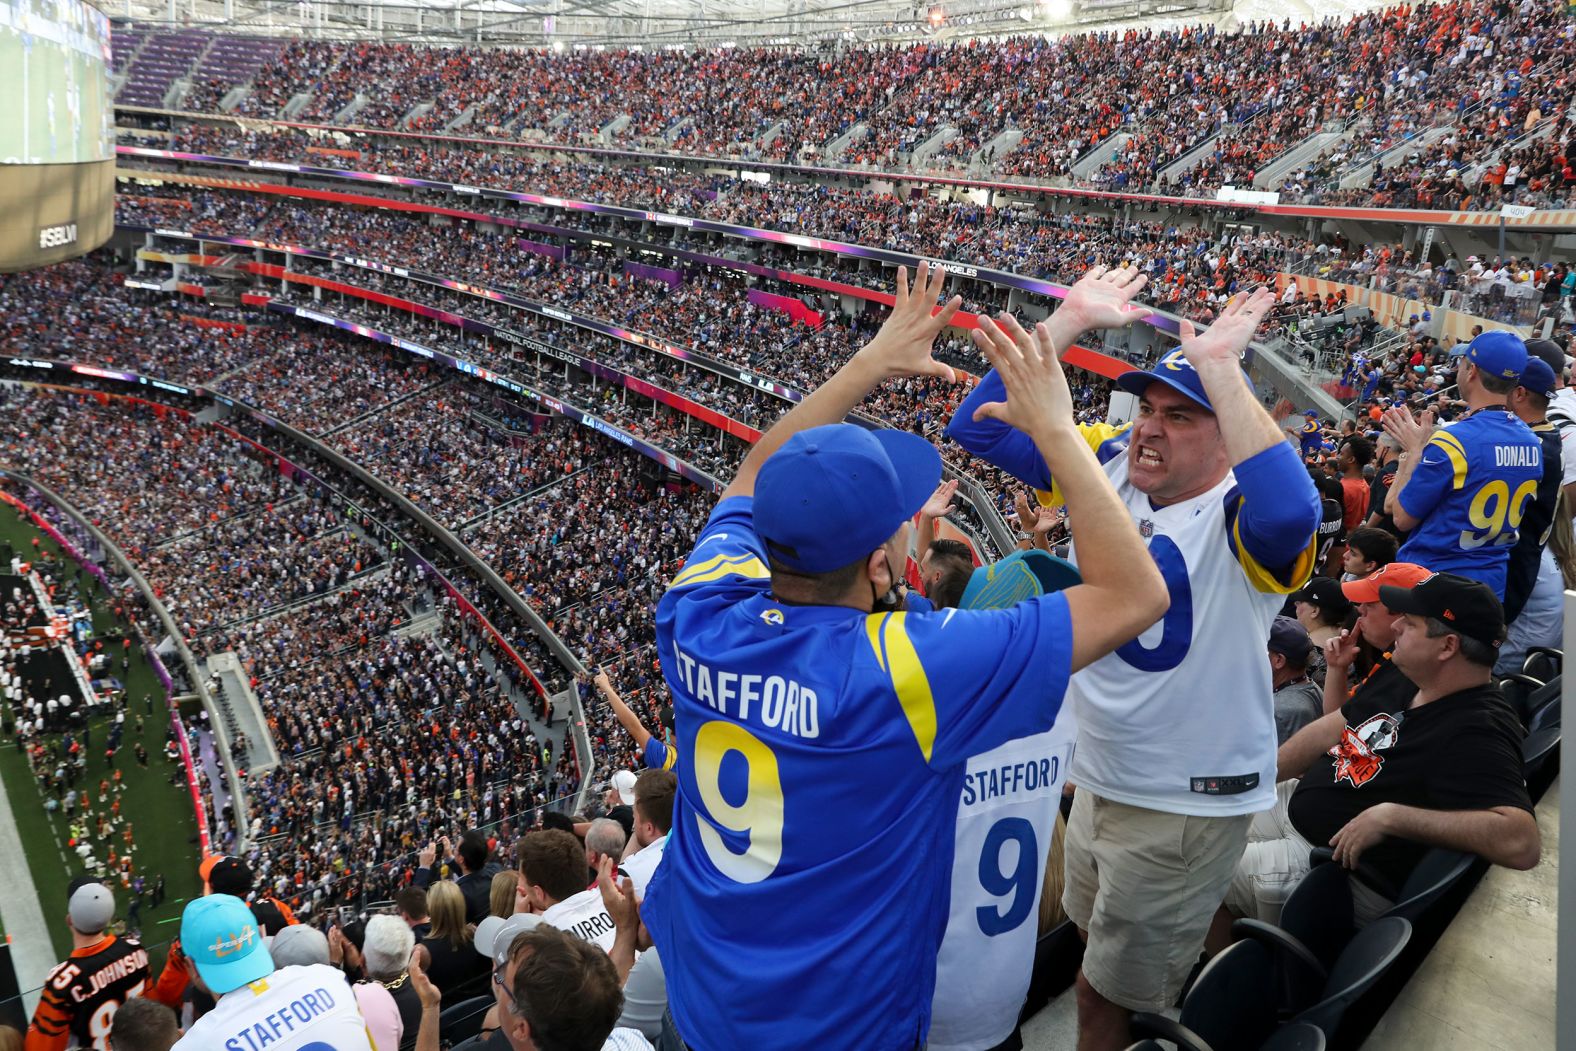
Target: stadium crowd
x,y
1490,70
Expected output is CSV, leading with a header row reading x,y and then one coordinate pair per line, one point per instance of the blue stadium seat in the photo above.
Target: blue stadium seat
x,y
1519,689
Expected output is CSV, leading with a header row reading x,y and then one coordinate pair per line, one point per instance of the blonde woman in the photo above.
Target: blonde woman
x,y
505,889
445,953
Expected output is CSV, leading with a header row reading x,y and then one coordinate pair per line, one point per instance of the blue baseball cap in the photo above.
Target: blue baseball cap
x,y
1021,575
832,495
1538,377
1496,353
221,936
1174,371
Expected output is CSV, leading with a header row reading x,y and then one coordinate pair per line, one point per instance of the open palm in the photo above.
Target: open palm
x,y
1103,298
1229,336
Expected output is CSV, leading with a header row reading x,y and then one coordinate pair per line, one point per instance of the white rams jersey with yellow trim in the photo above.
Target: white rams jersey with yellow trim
x,y
1182,718
1006,818
307,1008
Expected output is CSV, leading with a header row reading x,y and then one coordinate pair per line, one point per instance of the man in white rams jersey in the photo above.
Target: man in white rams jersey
x,y
1006,821
286,1009
1176,747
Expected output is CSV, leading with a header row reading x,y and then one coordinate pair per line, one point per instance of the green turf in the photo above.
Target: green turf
x,y
160,813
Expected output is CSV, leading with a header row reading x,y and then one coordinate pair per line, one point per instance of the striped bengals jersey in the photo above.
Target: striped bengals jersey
x,y
81,995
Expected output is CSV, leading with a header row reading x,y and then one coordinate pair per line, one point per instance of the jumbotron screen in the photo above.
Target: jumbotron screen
x,y
55,55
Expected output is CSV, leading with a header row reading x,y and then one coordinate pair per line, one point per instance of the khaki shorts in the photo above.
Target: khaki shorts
x,y
1145,884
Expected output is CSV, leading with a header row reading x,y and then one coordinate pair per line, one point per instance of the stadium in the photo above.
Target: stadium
x,y
972,525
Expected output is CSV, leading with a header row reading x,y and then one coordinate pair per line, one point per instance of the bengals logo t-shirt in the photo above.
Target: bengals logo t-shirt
x,y
1461,752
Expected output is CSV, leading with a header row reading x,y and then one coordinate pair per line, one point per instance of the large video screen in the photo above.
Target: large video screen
x,y
54,63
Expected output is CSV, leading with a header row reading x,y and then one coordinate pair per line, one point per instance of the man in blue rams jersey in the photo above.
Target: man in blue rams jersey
x,y
1176,745
1462,489
820,730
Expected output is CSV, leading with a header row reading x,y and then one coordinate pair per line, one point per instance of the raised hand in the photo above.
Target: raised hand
x,y
1038,400
1102,298
903,346
1411,433
1229,336
1033,518
940,504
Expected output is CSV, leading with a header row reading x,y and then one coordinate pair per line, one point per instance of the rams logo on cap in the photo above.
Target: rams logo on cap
x,y
1176,361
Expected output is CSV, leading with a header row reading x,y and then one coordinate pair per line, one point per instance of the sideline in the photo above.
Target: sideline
x,y
32,954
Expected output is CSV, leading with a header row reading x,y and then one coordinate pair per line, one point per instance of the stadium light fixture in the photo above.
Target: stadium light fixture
x,y
1057,10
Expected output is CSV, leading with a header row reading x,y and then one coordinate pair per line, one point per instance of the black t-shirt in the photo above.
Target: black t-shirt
x,y
1461,752
1378,489
1521,573
1331,528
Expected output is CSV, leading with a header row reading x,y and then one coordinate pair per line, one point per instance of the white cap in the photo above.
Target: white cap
x,y
91,908
298,944
494,935
624,784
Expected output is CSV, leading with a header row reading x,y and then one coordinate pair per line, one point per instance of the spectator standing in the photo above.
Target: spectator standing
x,y
1355,455
559,992
143,1025
385,954
1368,549
786,607
1534,606
505,894
445,952
226,958
411,905
605,838
552,873
79,998
654,793
1230,515
1462,490
474,865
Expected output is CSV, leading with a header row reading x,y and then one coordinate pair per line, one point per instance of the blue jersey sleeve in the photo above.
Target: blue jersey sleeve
x,y
994,441
728,553
1015,452
1275,520
970,680
658,756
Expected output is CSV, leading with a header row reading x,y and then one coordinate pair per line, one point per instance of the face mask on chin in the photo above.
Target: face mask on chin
x,y
891,602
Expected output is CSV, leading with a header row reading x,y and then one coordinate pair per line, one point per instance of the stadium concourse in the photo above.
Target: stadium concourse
x,y
492,447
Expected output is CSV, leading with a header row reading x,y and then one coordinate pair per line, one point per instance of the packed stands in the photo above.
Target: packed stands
x,y
1385,77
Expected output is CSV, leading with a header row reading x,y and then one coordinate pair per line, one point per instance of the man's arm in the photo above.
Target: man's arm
x,y
622,909
1504,835
1412,435
1278,513
431,1006
900,348
939,506
1299,752
625,715
1100,299
1122,591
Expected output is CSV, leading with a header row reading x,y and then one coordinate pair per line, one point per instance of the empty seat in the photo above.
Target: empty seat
x,y
1543,663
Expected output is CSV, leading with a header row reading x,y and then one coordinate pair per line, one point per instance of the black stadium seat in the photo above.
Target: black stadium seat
x,y
1518,690
1364,960
1231,1006
463,1020
1543,663
1318,912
